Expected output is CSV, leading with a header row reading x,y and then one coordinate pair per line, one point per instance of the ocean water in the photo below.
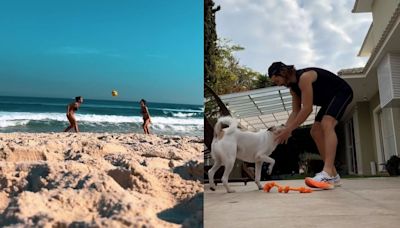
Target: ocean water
x,y
32,114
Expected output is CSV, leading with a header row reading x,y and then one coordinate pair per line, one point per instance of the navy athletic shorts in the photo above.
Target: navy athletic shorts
x,y
337,105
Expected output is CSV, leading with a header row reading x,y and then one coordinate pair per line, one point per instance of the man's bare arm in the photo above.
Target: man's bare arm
x,y
305,85
296,106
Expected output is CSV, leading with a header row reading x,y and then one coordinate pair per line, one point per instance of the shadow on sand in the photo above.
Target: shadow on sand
x,y
189,212
191,170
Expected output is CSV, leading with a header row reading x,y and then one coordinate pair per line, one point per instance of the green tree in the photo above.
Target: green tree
x,y
213,104
222,72
210,39
262,81
230,76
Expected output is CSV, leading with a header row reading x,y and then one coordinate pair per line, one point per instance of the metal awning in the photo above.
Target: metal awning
x,y
262,108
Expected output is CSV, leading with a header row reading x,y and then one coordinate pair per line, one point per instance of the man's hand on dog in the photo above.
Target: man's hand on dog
x,y
283,135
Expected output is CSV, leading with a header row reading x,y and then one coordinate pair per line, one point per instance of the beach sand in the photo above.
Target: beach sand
x,y
100,180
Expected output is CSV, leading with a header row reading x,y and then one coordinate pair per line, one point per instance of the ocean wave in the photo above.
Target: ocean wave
x,y
182,115
8,118
111,106
176,128
166,110
12,123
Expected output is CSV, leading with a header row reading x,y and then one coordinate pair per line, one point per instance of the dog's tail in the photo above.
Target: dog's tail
x,y
225,121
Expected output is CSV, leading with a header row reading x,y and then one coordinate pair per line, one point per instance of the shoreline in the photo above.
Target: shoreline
x,y
47,115
100,179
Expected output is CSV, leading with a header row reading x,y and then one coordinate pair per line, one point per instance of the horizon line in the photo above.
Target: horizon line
x,y
101,99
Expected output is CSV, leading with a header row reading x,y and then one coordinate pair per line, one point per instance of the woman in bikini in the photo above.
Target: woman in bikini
x,y
71,109
146,116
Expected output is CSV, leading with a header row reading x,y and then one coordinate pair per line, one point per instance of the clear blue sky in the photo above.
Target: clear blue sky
x,y
150,49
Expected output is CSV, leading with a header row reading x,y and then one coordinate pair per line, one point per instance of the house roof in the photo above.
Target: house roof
x,y
367,44
351,71
362,6
363,80
393,22
385,35
262,108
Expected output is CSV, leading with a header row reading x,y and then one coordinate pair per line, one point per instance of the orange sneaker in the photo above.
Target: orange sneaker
x,y
321,180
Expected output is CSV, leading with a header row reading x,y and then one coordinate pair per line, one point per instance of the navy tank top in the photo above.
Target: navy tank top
x,y
325,87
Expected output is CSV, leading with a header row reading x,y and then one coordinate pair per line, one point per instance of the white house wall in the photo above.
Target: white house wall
x,y
396,129
368,134
388,73
388,134
364,146
378,148
357,141
389,80
365,138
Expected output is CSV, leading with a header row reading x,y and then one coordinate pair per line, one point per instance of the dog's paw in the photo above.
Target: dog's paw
x,y
231,191
260,188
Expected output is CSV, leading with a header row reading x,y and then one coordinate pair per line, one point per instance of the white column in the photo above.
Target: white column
x,y
357,141
388,132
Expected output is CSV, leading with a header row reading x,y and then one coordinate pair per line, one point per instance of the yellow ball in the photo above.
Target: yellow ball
x,y
114,93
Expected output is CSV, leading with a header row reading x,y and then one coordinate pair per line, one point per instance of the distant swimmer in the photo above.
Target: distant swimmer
x,y
71,109
146,116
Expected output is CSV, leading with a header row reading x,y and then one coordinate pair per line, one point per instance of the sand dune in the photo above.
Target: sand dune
x,y
100,180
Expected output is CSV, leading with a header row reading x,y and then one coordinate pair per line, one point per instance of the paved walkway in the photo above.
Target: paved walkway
x,y
360,202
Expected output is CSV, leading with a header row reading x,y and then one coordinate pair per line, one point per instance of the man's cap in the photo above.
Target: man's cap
x,y
276,67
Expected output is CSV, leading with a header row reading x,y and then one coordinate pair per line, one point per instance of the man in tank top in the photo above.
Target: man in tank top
x,y
308,87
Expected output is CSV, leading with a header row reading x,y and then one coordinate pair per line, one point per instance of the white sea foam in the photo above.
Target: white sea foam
x,y
165,110
21,118
180,114
12,123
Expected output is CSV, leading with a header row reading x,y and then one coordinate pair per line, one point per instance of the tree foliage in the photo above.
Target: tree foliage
x,y
230,76
210,39
223,73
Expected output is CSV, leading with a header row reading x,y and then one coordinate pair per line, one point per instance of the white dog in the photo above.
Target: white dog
x,y
231,143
